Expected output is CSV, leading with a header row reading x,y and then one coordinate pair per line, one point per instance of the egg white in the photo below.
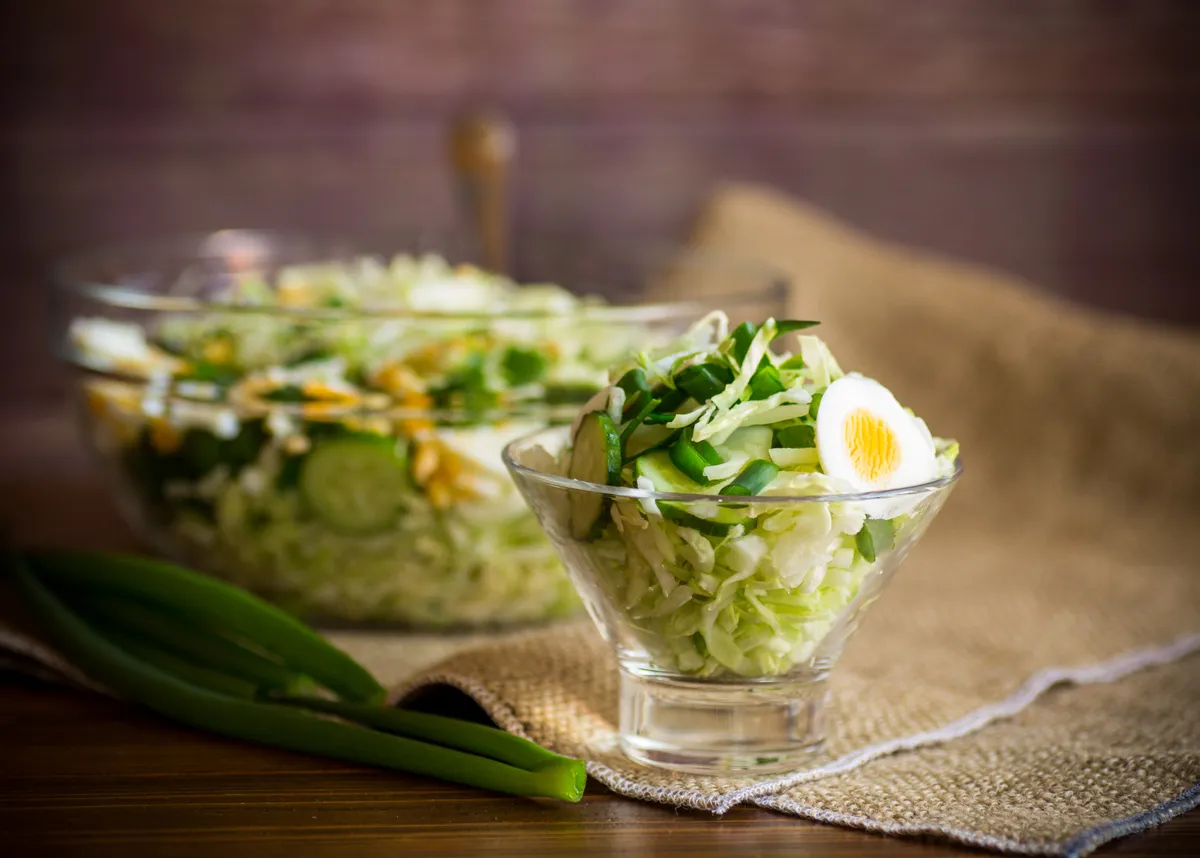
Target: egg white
x,y
913,460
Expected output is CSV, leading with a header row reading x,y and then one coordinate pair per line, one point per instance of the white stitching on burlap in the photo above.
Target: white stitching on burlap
x,y
1078,846
1100,672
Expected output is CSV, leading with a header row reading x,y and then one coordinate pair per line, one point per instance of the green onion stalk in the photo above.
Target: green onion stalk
x,y
211,656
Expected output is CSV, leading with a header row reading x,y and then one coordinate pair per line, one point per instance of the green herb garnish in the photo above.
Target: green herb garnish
x,y
876,535
799,435
523,366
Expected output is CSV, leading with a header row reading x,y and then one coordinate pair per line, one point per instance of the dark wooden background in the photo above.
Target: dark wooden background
x,y
1054,138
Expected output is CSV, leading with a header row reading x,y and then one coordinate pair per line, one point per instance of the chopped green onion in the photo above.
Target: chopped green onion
x,y
568,394
708,452
202,370
794,362
692,459
287,393
742,336
786,326
765,382
755,477
704,381
671,398
523,366
633,381
800,435
636,420
816,404
637,391
658,418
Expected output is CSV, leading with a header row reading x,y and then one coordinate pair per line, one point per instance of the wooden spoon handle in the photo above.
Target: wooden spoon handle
x,y
482,149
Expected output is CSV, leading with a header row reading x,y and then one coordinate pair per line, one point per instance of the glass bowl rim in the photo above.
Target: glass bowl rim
x,y
773,284
531,410
562,482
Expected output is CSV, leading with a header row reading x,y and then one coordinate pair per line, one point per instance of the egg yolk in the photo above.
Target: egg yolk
x,y
872,445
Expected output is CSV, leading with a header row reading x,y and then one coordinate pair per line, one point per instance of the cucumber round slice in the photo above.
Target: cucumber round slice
x,y
754,442
725,519
595,458
355,485
648,437
658,468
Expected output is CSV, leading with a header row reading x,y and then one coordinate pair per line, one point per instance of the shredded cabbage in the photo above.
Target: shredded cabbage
x,y
216,415
477,563
713,589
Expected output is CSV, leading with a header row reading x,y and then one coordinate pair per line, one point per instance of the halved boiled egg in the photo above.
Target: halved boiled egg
x,y
865,437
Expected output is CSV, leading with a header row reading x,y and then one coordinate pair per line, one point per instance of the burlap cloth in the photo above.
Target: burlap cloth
x,y
1030,682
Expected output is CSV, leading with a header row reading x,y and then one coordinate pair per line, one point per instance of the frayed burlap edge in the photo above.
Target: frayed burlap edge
x,y
1034,687
1084,843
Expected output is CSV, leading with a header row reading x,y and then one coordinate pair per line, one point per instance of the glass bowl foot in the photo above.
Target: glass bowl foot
x,y
722,728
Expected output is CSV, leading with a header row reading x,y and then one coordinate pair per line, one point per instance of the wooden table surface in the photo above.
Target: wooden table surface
x,y
82,775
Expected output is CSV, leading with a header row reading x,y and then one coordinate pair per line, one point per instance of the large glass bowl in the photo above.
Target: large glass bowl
x,y
382,507
726,614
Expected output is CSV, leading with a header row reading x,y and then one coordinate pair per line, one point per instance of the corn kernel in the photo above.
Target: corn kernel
x,y
296,445
218,351
425,463
293,295
164,437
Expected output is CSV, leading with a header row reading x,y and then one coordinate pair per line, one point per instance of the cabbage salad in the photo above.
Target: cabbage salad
x,y
742,588
297,440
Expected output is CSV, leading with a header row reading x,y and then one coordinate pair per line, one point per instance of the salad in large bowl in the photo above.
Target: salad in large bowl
x,y
326,430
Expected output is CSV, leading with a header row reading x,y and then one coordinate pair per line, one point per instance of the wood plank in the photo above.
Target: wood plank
x,y
1060,202
90,777
370,55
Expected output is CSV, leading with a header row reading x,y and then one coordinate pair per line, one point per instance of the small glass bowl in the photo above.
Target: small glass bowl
x,y
214,475
726,614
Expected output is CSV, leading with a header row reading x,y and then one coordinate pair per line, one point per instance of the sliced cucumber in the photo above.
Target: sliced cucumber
x,y
724,520
754,442
665,477
660,470
595,458
648,437
355,484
